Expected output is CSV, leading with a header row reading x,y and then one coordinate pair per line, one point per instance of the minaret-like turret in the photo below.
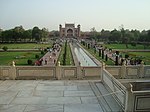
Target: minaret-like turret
x,y
79,30
60,27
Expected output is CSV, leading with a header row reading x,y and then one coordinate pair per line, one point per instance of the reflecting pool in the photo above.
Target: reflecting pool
x,y
82,57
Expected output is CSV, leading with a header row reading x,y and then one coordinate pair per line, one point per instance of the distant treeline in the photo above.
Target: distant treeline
x,y
19,34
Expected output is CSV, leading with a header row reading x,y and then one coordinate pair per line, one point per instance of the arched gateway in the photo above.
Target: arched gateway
x,y
69,31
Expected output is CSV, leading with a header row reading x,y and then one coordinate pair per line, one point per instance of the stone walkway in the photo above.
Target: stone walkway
x,y
51,58
48,96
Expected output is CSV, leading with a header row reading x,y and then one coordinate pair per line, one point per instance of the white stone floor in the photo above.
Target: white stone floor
x,y
47,96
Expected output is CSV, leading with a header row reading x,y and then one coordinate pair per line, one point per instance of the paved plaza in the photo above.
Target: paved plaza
x,y
48,96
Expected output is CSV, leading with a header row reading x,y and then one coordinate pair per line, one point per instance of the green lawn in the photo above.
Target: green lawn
x,y
123,46
144,55
25,46
69,58
20,58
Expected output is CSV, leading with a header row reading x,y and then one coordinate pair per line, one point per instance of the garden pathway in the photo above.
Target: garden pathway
x,y
50,58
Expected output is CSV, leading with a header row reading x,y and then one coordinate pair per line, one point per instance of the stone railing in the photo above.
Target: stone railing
x,y
129,72
48,72
132,95
116,88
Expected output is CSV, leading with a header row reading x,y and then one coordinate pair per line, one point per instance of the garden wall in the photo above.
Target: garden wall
x,y
48,72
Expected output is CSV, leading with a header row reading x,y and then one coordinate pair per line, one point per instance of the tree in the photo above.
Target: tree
x,y
105,34
123,36
115,35
93,33
1,34
44,34
18,33
27,35
136,35
36,34
7,36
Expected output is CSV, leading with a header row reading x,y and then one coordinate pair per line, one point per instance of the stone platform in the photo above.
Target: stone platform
x,y
48,96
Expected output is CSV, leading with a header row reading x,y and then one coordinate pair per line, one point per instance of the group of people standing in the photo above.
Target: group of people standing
x,y
50,57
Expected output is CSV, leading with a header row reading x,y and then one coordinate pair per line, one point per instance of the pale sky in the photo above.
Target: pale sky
x,y
101,14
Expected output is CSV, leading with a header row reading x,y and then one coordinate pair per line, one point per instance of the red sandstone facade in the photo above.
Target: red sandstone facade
x,y
69,31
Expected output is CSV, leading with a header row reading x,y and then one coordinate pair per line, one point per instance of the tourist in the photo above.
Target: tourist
x,y
54,61
45,61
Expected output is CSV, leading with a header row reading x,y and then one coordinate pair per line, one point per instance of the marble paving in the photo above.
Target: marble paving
x,y
48,96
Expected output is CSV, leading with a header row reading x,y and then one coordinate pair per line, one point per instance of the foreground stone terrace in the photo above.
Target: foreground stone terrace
x,y
48,96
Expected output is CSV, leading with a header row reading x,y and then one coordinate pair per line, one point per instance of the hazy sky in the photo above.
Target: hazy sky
x,y
101,14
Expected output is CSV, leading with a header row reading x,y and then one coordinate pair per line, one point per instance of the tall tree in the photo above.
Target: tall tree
x,y
93,33
44,34
18,33
36,34
105,34
27,35
1,34
115,35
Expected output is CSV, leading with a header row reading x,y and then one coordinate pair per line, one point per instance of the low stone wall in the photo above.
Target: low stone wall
x,y
48,72
69,72
6,72
129,72
35,72
91,71
114,70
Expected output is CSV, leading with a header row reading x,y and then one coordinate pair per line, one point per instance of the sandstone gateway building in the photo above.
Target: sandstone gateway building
x,y
69,30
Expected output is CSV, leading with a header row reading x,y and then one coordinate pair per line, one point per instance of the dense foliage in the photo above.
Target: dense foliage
x,y
122,35
19,34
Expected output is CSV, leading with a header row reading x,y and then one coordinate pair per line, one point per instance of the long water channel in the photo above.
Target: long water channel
x,y
82,57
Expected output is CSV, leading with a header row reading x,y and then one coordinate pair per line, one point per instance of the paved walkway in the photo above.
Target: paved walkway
x,y
51,58
47,96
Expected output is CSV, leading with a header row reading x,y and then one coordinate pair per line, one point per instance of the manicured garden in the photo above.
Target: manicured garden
x,y
145,56
123,46
26,46
65,56
20,58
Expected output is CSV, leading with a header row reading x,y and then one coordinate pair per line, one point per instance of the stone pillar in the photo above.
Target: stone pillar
x,y
123,70
102,69
13,71
103,65
142,70
129,104
58,71
79,72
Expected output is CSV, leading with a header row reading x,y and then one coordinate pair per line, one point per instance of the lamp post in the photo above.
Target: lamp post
x,y
102,53
99,52
117,56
